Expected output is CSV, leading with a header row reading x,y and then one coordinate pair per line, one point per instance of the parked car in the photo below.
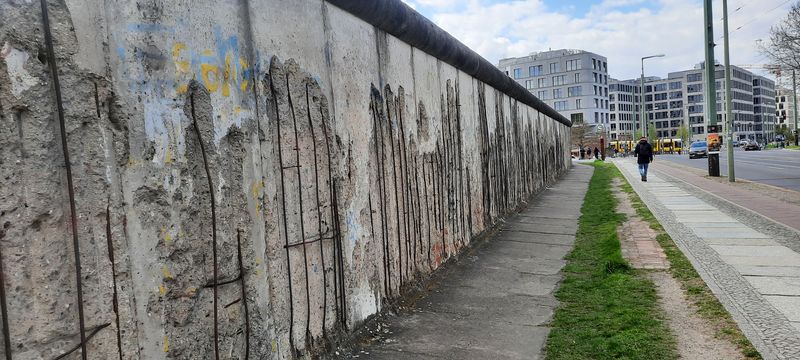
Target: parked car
x,y
698,149
751,145
736,143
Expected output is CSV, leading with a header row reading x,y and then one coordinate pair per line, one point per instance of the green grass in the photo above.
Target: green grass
x,y
608,310
693,285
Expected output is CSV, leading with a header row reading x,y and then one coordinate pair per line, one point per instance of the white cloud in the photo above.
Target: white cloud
x,y
675,28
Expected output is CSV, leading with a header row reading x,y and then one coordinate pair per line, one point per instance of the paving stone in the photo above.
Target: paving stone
x,y
768,285
788,305
761,251
742,242
788,271
736,232
761,260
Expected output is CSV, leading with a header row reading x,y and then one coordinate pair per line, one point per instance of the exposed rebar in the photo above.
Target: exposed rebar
x,y
48,39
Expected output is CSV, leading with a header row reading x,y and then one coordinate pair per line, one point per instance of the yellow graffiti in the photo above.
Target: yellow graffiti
x,y
165,272
166,235
224,76
211,83
166,344
162,289
168,156
182,66
227,74
191,291
243,85
274,346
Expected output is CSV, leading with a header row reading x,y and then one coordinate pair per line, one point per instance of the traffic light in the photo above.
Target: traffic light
x,y
712,129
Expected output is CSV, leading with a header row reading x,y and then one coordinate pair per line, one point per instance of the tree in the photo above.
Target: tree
x,y
580,134
783,130
651,132
683,134
783,47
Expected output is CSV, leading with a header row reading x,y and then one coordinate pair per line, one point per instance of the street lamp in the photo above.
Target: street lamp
x,y
641,95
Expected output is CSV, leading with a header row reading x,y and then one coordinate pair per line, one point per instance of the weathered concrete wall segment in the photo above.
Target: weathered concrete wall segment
x,y
251,179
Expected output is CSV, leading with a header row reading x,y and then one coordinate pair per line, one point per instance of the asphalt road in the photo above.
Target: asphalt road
x,y
774,167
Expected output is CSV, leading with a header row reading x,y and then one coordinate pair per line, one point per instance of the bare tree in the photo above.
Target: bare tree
x,y
783,48
580,134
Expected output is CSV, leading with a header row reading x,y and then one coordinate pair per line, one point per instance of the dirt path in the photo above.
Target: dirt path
x,y
694,335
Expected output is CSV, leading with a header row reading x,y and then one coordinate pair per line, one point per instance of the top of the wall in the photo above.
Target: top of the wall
x,y
399,20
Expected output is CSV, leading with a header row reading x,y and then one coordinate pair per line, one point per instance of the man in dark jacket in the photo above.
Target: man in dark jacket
x,y
644,155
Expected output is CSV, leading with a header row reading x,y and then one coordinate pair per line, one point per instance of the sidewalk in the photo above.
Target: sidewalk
x,y
755,276
776,210
495,302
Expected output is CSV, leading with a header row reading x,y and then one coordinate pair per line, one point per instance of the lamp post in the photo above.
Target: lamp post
x,y
643,121
728,93
710,96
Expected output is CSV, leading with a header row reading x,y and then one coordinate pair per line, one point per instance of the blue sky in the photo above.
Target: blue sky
x,y
621,30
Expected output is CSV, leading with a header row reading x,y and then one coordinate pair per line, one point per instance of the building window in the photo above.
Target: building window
x,y
553,68
605,66
596,103
561,105
595,89
535,70
517,73
579,104
574,91
573,65
559,80
595,77
541,82
576,118
529,84
558,93
577,77
594,66
542,95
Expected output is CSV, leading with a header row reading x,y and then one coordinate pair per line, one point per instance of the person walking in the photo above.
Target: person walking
x,y
583,153
596,153
644,155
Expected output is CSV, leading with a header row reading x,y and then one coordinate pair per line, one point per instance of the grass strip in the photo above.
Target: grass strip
x,y
607,310
696,290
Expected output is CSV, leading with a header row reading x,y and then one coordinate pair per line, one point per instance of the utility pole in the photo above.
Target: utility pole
x,y
711,94
728,100
794,92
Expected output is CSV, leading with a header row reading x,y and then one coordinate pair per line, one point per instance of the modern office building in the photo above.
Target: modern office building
x,y
573,82
784,108
678,101
623,108
764,108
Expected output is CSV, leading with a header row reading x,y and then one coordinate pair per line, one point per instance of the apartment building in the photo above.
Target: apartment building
x,y
764,108
678,100
573,82
784,107
623,108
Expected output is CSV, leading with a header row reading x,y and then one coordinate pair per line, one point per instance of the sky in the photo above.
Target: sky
x,y
622,30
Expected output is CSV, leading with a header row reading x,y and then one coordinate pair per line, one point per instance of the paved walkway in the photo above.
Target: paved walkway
x,y
494,303
774,209
753,275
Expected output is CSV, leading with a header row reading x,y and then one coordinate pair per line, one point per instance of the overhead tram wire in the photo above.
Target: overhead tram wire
x,y
756,17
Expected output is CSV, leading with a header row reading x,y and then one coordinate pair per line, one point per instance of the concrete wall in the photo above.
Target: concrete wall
x,y
266,173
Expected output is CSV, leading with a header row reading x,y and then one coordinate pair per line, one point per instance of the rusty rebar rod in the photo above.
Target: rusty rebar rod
x,y
48,39
213,222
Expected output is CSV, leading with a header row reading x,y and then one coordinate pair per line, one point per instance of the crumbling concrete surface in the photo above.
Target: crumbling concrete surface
x,y
229,184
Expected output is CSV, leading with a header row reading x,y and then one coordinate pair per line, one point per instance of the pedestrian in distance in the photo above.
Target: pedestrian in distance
x,y
644,156
596,153
583,153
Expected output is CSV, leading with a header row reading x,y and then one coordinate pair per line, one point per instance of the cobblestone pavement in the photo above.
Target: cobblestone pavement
x,y
496,301
754,276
